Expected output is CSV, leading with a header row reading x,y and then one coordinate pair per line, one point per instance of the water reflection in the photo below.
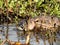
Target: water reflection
x,y
13,36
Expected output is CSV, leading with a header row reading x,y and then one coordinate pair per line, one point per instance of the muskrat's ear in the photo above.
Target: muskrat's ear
x,y
27,17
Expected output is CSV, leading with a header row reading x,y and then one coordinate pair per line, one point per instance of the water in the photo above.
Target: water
x,y
13,36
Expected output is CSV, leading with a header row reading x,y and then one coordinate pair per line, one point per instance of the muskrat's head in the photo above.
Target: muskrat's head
x,y
31,24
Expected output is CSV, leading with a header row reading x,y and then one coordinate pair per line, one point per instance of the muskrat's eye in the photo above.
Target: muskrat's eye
x,y
55,24
36,20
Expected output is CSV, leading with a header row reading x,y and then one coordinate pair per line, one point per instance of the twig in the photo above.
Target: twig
x,y
28,38
6,2
3,42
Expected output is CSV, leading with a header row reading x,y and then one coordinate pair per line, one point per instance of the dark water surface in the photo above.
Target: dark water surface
x,y
13,36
